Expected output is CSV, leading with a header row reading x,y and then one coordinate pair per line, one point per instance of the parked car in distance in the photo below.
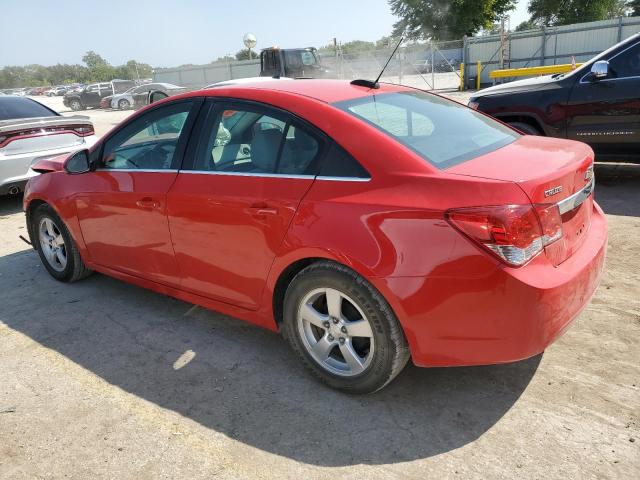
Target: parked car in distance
x,y
30,132
91,95
245,81
56,92
368,223
136,96
141,98
597,103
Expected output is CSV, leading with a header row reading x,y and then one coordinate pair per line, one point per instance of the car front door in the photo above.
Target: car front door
x,y
231,206
122,209
605,112
91,96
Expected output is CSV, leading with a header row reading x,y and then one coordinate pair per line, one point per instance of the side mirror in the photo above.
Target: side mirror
x,y
78,163
600,69
155,95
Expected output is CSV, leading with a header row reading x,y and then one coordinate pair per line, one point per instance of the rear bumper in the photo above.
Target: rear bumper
x,y
16,169
487,316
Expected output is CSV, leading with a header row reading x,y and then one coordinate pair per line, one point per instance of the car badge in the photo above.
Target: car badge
x,y
553,191
588,175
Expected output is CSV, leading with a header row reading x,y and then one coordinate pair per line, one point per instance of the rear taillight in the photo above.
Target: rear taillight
x,y
79,130
515,233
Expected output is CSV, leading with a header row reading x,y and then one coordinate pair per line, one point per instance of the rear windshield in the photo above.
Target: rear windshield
x,y
18,107
442,132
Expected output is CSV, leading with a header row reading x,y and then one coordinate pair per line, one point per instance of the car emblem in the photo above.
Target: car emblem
x,y
553,191
588,175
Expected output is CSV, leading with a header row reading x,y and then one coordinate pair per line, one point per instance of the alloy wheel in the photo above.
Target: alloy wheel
x,y
52,244
335,332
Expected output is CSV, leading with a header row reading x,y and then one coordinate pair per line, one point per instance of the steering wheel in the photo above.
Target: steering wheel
x,y
164,149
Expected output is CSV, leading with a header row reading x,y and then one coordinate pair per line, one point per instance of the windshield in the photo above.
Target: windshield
x,y
442,132
16,107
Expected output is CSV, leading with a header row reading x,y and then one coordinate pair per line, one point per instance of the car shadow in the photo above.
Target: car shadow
x,y
10,204
618,188
244,381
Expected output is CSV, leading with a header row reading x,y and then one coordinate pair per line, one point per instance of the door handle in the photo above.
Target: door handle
x,y
148,202
265,211
262,209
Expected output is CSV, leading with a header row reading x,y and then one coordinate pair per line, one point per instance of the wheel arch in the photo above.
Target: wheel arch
x,y
30,208
284,271
527,118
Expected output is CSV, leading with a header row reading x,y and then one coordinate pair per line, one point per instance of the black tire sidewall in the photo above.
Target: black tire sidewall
x,y
379,372
123,104
526,128
46,211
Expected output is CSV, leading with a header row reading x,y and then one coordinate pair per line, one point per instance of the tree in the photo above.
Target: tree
x,y
564,12
526,25
99,69
244,54
634,8
446,19
96,69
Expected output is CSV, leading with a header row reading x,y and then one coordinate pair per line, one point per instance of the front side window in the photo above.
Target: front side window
x,y
308,58
442,132
627,63
149,142
256,141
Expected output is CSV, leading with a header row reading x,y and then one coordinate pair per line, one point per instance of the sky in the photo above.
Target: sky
x,y
166,33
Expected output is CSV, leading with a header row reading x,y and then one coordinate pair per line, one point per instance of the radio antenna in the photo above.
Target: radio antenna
x,y
375,84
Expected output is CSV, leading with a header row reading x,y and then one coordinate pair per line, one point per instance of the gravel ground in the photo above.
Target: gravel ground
x,y
101,379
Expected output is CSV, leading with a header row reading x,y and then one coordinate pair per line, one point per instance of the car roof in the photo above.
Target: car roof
x,y
328,91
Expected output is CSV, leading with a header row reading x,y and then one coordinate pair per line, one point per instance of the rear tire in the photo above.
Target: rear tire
x,y
342,329
526,128
58,252
124,104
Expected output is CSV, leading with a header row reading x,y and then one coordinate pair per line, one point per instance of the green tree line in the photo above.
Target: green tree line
x,y
95,69
452,19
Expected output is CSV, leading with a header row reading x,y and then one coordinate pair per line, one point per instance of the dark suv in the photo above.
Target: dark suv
x,y
598,103
91,95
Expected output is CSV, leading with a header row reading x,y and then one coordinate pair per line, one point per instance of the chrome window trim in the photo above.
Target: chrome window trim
x,y
144,170
275,175
247,174
577,198
343,179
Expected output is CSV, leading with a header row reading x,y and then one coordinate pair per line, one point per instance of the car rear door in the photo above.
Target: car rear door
x,y
122,208
605,113
232,204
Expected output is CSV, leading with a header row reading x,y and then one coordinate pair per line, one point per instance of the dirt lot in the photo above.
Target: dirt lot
x,y
101,379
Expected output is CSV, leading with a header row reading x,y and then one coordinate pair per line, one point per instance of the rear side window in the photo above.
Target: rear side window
x,y
442,132
18,107
338,163
254,140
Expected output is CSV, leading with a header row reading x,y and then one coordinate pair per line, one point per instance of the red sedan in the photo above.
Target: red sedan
x,y
368,225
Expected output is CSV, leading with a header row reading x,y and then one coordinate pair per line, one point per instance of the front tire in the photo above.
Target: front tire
x,y
342,329
58,252
75,105
526,128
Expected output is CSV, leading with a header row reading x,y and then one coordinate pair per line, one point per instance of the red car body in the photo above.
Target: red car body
x,y
230,243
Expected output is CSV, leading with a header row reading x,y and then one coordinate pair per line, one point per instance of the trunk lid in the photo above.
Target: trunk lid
x,y
549,171
43,133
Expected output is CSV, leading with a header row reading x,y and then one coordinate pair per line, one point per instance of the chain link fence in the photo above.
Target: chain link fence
x,y
436,65
430,66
